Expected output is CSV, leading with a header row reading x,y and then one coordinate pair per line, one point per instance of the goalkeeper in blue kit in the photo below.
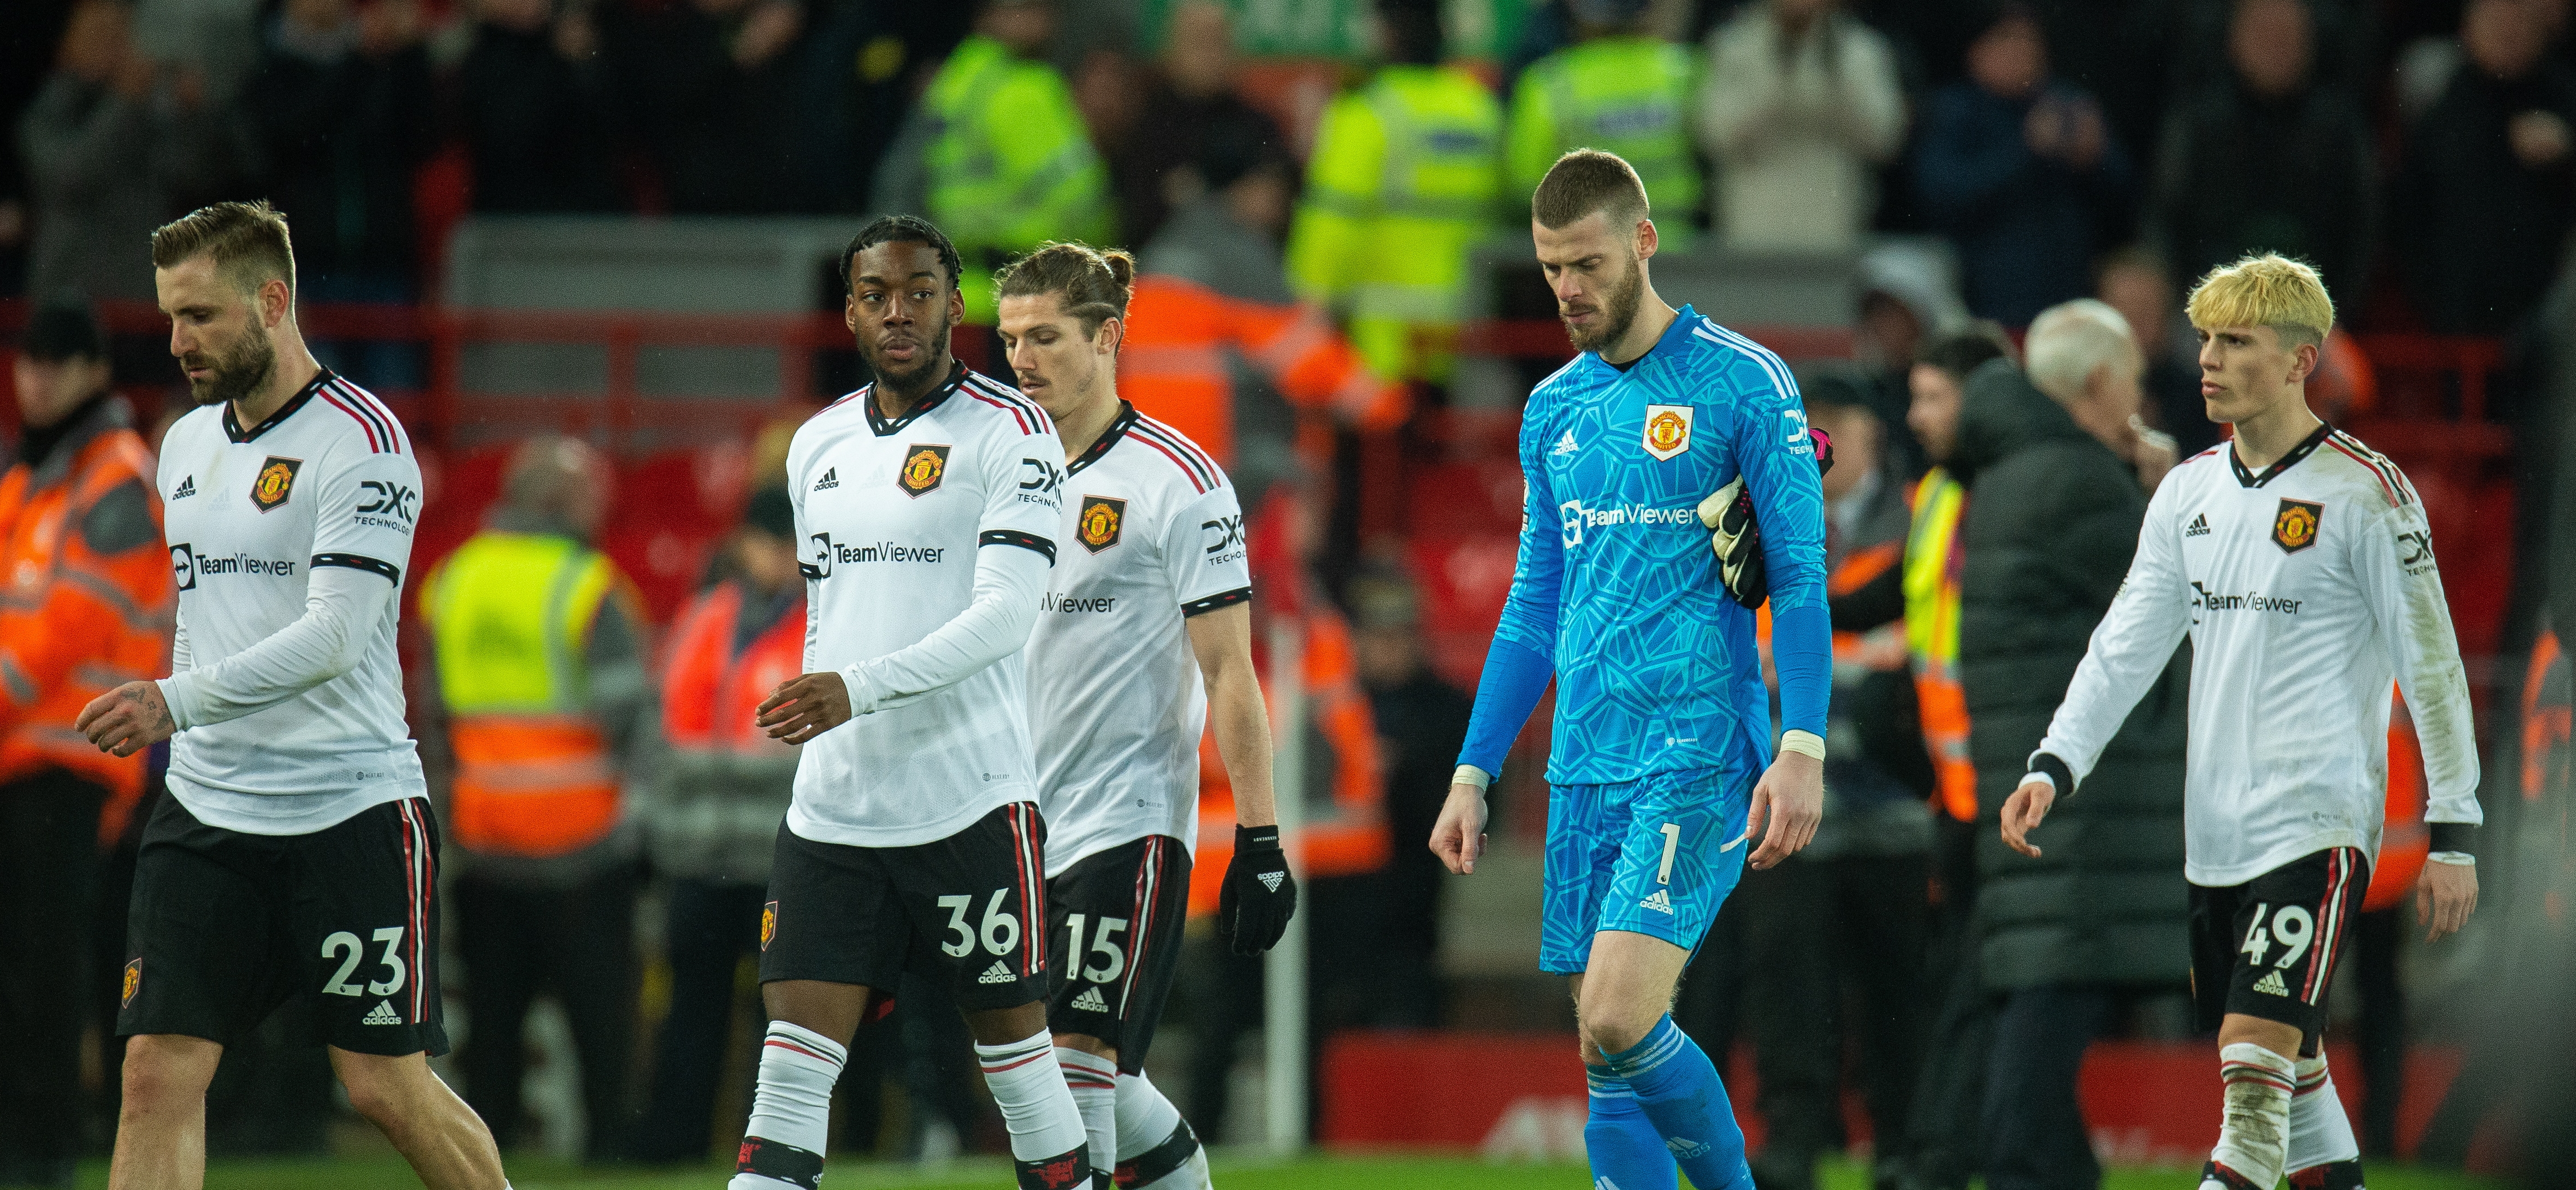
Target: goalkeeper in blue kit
x,y
1661,768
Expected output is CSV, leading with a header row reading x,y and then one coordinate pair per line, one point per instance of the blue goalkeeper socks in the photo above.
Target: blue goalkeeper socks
x,y
1626,1151
1677,1087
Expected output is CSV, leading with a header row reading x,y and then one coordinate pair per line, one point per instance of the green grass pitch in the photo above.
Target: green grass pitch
x,y
1234,1171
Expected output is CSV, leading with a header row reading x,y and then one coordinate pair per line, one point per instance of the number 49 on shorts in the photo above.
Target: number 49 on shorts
x,y
2291,927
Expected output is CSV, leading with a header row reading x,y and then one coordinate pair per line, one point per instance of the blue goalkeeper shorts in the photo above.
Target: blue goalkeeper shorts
x,y
1653,856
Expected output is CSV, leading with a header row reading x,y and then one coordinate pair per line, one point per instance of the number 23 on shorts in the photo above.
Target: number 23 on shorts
x,y
345,947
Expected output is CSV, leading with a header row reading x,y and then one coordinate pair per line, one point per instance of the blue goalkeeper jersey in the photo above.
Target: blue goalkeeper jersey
x,y
1656,667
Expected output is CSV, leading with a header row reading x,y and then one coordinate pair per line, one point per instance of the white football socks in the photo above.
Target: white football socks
x,y
2253,1136
791,1113
1155,1147
1047,1137
1094,1082
2320,1134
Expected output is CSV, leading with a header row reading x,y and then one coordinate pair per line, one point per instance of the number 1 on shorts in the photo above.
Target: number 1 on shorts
x,y
1672,846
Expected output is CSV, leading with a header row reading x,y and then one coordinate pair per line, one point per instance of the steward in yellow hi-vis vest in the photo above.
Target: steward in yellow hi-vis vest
x,y
1011,164
1405,179
548,713
514,615
1620,90
1932,558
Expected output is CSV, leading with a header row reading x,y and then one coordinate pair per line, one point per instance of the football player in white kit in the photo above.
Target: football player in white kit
x,y
2300,563
296,856
1145,639
927,503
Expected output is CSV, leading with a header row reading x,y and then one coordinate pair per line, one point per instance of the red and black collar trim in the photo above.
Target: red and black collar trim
x,y
302,397
1118,427
2307,446
883,426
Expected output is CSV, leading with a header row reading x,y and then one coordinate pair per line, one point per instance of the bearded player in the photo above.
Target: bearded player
x,y
2299,562
1661,767
296,857
928,504
1145,641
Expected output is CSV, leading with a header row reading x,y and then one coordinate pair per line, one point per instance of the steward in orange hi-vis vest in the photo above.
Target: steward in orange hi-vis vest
x,y
86,604
88,596
1344,832
1173,365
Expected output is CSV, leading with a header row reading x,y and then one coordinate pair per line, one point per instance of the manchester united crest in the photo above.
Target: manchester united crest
x,y
768,923
923,467
2294,528
275,483
1102,517
133,981
1668,430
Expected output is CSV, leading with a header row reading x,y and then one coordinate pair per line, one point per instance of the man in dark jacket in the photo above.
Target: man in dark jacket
x,y
534,106
2020,171
1849,910
2267,160
2053,517
343,103
2488,187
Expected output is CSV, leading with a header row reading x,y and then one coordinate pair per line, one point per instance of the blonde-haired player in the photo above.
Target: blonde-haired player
x,y
2299,561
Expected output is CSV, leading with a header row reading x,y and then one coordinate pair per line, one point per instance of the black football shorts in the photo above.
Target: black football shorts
x,y
956,910
225,926
2267,948
1119,914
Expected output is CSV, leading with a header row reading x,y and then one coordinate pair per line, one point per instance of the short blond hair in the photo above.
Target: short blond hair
x,y
247,241
2266,290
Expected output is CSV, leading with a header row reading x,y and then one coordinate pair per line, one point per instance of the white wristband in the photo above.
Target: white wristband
x,y
1804,743
1469,774
2460,858
2042,778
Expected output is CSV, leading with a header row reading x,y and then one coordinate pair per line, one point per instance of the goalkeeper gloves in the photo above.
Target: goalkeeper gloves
x,y
1738,540
1259,896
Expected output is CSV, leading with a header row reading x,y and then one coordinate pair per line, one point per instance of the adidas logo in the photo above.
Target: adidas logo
x,y
187,488
1685,1148
1270,880
1566,445
831,479
382,1014
1091,1001
999,972
1657,901
2199,526
2271,983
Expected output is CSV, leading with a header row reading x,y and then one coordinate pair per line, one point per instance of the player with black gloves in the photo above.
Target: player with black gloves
x,y
1737,538
1144,640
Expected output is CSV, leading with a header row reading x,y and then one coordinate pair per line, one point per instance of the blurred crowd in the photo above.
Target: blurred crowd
x,y
2421,155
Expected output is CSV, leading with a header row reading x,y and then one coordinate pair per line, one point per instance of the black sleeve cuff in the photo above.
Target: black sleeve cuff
x,y
391,572
2455,836
1220,599
1026,541
2043,762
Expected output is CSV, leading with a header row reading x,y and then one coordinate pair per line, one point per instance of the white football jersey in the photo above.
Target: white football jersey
x,y
893,515
327,480
2306,590
1151,535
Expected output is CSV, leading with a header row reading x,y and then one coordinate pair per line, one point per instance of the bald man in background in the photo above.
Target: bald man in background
x,y
547,718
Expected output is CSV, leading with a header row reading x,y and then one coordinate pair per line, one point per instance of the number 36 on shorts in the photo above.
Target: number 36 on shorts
x,y
997,931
